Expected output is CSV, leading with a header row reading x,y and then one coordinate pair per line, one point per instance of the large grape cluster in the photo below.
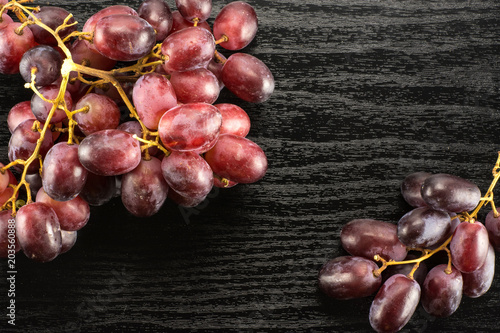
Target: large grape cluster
x,y
124,106
443,218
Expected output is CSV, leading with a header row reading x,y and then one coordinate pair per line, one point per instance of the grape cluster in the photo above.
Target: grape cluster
x,y
123,107
443,218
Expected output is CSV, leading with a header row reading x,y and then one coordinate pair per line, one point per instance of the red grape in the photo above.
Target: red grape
x,y
394,304
478,282
442,292
349,277
469,246
38,231
19,113
158,14
190,127
110,152
179,23
41,108
98,190
194,9
47,62
367,238
63,175
234,119
68,240
411,188
103,113
237,159
238,22
124,37
492,224
195,86
13,46
248,78
424,227
143,190
52,17
83,54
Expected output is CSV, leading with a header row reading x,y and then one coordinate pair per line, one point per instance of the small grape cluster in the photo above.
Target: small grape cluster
x,y
123,107
443,218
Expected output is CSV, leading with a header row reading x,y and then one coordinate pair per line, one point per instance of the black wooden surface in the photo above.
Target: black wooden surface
x,y
366,92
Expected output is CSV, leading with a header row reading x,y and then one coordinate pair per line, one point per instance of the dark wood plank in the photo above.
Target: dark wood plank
x,y
366,92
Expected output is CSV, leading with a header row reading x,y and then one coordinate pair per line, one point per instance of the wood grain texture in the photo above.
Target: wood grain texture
x,y
366,93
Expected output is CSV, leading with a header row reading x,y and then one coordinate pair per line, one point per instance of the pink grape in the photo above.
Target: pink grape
x,y
23,142
19,113
367,238
158,14
238,159
8,239
72,214
469,246
248,78
187,49
195,86
478,282
98,190
124,37
194,9
41,108
349,277
110,152
134,127
234,119
185,201
13,46
394,304
187,173
38,231
63,176
424,227
215,66
4,178
103,113
153,95
6,20
442,292
190,127
143,190
238,22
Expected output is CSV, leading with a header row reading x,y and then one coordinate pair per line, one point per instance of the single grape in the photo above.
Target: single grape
x,y
478,282
234,119
143,190
248,78
90,24
13,46
72,214
190,127
411,188
124,37
450,193
238,22
46,62
9,244
52,17
153,95
194,9
179,23
367,238
492,224
188,174
394,304
237,159
23,142
103,113
98,190
38,231
187,49
83,54
349,277
424,227
68,240
442,292
63,176
41,109
158,14
110,152
19,113
195,86
469,246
